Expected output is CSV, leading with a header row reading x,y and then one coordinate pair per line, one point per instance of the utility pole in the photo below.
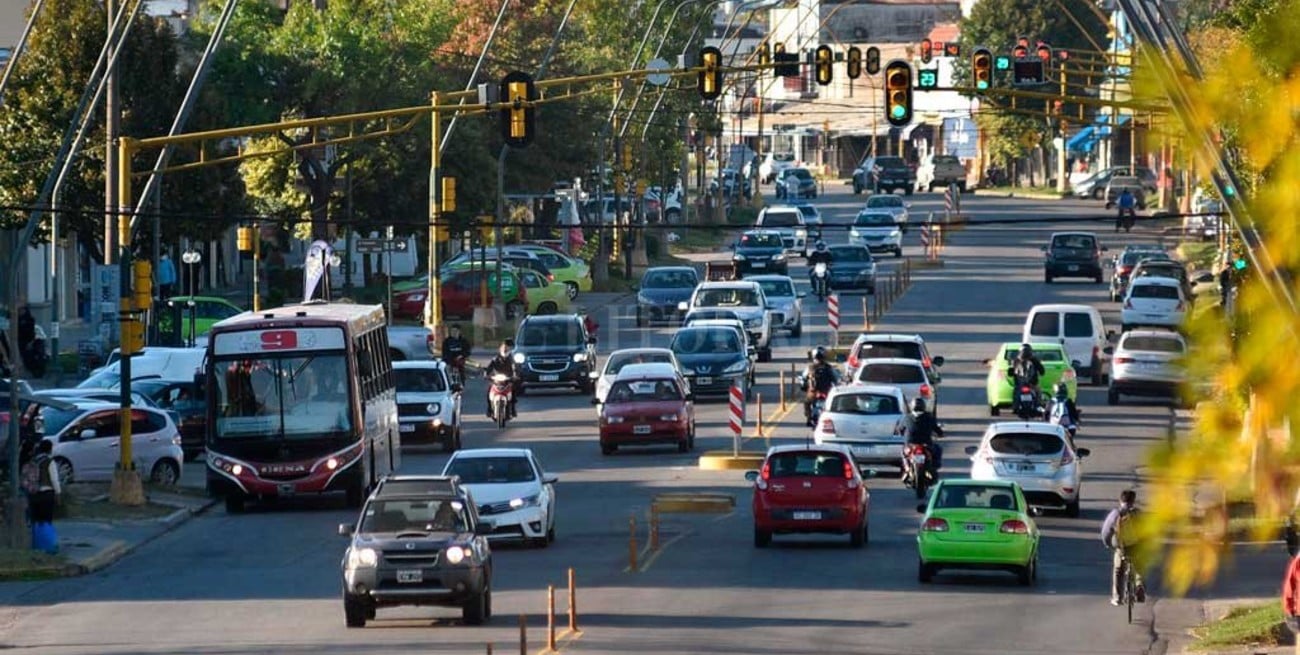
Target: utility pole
x,y
1060,156
111,128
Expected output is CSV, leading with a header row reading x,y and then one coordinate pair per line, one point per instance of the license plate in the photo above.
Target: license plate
x,y
703,380
759,264
1072,267
406,427
974,527
640,429
807,516
1026,397
549,378
1024,468
410,576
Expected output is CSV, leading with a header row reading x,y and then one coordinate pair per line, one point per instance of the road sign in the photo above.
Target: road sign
x,y
833,310
381,245
657,78
927,78
737,418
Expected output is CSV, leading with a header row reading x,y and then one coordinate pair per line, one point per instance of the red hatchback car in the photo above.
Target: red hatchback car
x,y
810,489
647,404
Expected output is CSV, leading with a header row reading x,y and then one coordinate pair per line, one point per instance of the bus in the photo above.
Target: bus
x,y
300,401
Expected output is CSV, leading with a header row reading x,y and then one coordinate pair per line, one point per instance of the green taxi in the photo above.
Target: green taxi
x,y
1056,368
977,525
544,296
206,311
573,274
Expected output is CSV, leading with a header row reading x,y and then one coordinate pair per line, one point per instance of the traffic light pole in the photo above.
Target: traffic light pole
x,y
434,318
1061,171
127,487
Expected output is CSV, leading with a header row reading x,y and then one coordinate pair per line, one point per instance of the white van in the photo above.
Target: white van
x,y
1079,329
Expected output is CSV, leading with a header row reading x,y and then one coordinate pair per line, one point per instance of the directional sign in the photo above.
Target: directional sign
x,y
381,245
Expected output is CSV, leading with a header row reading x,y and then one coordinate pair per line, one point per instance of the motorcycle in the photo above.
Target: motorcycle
x,y
500,396
818,401
1025,402
819,284
1126,219
1059,414
917,473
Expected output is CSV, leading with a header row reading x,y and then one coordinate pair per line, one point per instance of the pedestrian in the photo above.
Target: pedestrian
x,y
1225,283
1291,595
40,478
166,276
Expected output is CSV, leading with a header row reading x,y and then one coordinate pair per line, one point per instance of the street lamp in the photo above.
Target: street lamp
x,y
191,258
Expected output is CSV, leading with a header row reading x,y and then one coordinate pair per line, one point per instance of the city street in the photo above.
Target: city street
x,y
269,581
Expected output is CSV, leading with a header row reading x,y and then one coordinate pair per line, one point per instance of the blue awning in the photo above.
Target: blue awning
x,y
1082,142
1105,121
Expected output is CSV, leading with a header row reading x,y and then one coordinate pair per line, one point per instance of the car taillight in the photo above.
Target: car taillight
x,y
926,362
1024,389
828,426
764,475
1015,526
925,390
853,361
850,479
1125,270
934,525
1123,360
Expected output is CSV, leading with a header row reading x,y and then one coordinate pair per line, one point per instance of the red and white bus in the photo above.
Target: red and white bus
x,y
300,401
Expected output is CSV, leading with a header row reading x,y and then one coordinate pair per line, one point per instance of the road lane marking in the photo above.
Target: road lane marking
x,y
562,638
770,423
662,547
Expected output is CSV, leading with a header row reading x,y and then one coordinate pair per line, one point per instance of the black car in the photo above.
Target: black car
x,y
760,252
418,541
1073,254
1163,267
852,269
1124,263
714,359
661,290
554,351
883,175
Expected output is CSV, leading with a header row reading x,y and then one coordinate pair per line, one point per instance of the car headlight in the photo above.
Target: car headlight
x,y
416,297
801,234
738,367
519,358
362,558
579,357
779,257
738,257
855,234
895,234
613,419
643,300
433,408
754,323
527,501
455,555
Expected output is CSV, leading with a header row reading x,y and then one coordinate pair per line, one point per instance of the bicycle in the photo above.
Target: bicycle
x,y
1131,585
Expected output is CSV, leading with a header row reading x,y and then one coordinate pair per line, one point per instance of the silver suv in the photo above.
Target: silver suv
x,y
749,303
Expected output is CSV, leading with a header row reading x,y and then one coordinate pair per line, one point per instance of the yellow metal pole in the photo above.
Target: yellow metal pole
x,y
125,148
257,263
435,213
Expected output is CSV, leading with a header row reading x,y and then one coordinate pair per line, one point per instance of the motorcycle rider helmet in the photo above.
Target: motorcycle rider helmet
x,y
1062,391
821,246
818,354
1026,351
918,405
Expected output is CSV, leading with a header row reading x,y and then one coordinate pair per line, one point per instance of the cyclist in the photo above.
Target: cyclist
x,y
1112,534
455,350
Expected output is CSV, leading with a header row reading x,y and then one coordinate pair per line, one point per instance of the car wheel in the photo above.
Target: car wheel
x,y
65,472
571,289
994,410
797,330
452,443
475,610
608,450
924,572
690,439
762,538
235,503
354,611
858,537
547,307
166,473
550,533
1027,573
898,252
1072,509
1097,194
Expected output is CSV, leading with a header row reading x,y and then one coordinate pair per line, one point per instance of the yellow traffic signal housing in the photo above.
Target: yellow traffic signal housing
x,y
448,195
981,63
132,336
142,284
627,156
854,66
764,54
873,60
518,118
825,65
898,93
244,237
710,78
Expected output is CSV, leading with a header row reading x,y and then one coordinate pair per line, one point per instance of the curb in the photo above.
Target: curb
x,y
1021,194
119,549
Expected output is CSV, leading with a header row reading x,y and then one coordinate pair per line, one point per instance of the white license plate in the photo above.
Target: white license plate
x,y
1024,468
759,264
410,576
640,429
406,427
1026,397
974,527
703,380
1072,267
549,378
807,516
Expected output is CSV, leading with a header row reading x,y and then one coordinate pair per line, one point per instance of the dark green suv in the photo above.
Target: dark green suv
x,y
418,541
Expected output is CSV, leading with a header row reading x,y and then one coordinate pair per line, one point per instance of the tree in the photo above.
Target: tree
x,y
1250,93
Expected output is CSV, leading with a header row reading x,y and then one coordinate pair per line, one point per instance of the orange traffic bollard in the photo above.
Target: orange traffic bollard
x,y
631,543
781,383
758,423
550,618
573,602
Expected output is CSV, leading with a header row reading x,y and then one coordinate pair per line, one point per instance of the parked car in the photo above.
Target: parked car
x,y
1094,186
647,404
460,293
883,175
512,490
544,297
1073,254
201,315
803,489
1119,184
572,272
1039,457
87,440
428,404
871,420
977,525
661,290
1147,364
940,171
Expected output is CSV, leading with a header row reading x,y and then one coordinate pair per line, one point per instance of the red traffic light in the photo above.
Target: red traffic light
x,y
927,51
1020,51
1045,52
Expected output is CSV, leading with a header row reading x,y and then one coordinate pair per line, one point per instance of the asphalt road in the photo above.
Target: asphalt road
x,y
268,581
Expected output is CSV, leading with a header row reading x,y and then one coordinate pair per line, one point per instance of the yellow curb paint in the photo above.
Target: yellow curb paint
x,y
662,547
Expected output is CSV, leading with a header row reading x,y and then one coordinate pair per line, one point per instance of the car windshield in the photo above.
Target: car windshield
x,y
865,404
419,380
880,349
801,173
777,288
1026,443
756,240
402,515
891,163
666,279
850,254
781,219
492,470
550,333
887,200
1154,291
1152,344
874,219
892,373
616,361
1044,355
707,340
1076,241
963,496
809,212
305,397
643,391
728,297
805,464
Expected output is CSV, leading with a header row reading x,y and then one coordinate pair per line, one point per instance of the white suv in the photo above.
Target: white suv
x,y
428,404
788,221
747,300
1038,456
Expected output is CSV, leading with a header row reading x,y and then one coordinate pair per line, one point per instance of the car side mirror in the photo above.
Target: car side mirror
x,y
971,450
551,479
88,433
1083,452
937,361
1035,511
1109,350
802,294
346,529
751,475
682,307
920,508
595,401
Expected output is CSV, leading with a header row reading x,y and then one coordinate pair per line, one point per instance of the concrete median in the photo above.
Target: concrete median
x,y
726,460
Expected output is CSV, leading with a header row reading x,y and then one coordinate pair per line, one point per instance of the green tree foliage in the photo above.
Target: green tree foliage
x,y
1250,92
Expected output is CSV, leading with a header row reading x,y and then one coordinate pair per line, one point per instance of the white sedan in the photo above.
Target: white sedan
x,y
1153,301
1038,456
1146,364
872,420
878,230
512,491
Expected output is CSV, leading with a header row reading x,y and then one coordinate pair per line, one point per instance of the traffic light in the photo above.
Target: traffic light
x,y
448,195
142,287
952,49
1022,48
873,60
1239,263
132,335
787,63
710,78
854,65
927,51
518,119
898,93
244,238
1044,52
825,64
764,54
1002,63
981,64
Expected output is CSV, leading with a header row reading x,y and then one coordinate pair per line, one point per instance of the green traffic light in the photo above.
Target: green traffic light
x,y
981,84
1239,264
1229,191
898,111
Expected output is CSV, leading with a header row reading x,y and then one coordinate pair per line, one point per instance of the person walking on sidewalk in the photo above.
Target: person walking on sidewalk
x,y
166,276
41,483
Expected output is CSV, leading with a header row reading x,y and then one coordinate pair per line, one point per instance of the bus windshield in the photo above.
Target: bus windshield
x,y
304,397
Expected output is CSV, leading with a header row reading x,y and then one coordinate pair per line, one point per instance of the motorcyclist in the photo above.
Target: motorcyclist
x,y
819,378
1063,406
455,350
820,255
1127,204
502,364
924,428
1026,368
